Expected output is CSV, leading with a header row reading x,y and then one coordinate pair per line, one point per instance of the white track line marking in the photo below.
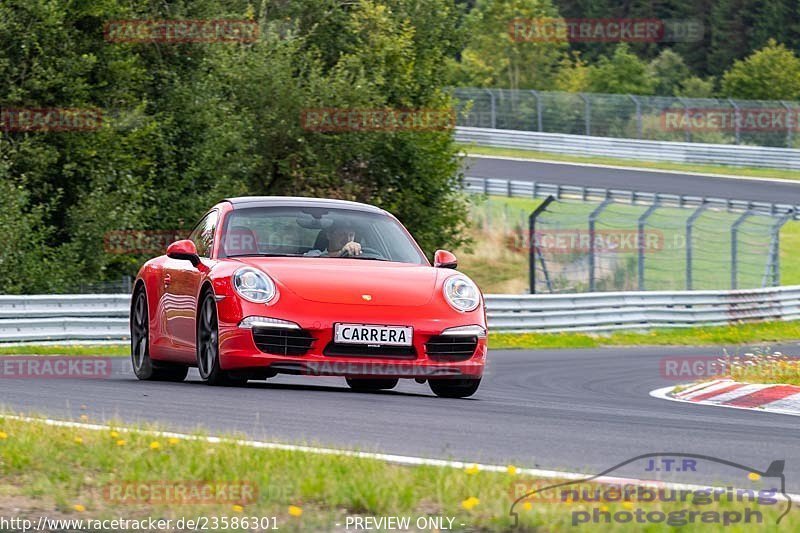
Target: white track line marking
x,y
663,394
389,458
635,169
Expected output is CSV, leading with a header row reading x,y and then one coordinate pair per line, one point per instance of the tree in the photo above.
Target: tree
x,y
497,55
623,73
696,87
772,73
185,125
669,71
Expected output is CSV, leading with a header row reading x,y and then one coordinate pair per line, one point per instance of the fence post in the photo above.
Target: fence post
x,y
587,111
538,109
738,121
687,116
592,219
638,114
773,269
640,240
735,248
689,245
532,242
788,124
493,109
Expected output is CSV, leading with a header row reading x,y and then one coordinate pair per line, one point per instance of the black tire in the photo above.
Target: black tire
x,y
208,345
145,368
454,388
372,384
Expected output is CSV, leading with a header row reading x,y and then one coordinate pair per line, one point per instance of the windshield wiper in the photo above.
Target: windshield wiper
x,y
263,255
362,258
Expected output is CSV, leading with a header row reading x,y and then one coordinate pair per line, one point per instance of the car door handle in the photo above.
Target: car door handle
x,y
167,280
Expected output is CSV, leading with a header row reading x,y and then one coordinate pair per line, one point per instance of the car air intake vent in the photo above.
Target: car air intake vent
x,y
359,350
451,347
278,341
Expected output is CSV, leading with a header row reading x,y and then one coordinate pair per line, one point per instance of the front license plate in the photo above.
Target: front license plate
x,y
377,335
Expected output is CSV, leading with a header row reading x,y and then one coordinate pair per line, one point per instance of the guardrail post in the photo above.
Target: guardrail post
x,y
532,247
592,219
688,243
737,121
640,240
587,111
492,109
638,114
735,248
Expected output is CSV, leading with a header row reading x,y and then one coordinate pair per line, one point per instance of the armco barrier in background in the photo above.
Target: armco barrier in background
x,y
679,152
105,317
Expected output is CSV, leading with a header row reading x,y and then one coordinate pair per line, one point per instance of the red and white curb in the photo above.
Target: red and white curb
x,y
772,398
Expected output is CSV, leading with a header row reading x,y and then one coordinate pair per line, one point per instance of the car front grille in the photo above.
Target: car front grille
x,y
451,348
278,341
363,350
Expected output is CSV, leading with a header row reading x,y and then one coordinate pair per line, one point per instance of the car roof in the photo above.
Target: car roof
x,y
299,201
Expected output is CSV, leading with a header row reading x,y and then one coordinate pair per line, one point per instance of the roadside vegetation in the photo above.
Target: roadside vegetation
x,y
71,472
758,367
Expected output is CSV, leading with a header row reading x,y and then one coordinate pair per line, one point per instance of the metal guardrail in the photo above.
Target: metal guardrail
x,y
535,189
64,317
105,317
611,311
678,152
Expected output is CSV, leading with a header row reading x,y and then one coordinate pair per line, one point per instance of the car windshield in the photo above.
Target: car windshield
x,y
317,232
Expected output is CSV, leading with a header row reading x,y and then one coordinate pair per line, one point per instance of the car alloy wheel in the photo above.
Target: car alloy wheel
x,y
208,345
144,367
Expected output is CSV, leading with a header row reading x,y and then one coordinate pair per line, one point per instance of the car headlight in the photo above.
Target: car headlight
x,y
253,285
461,293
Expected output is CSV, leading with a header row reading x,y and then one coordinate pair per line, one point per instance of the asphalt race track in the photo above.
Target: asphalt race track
x,y
578,410
640,180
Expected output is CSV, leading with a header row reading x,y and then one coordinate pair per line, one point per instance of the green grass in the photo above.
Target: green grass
x,y
705,336
752,172
67,472
111,350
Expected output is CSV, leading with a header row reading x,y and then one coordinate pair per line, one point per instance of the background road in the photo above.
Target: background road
x,y
640,180
584,410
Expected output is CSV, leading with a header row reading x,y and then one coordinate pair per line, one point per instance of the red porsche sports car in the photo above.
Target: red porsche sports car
x,y
268,285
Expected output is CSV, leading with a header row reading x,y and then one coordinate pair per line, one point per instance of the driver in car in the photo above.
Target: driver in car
x,y
341,242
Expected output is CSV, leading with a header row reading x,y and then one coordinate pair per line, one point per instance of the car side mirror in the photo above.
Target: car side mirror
x,y
444,259
184,249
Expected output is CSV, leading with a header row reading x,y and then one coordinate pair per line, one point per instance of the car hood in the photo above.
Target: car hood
x,y
350,281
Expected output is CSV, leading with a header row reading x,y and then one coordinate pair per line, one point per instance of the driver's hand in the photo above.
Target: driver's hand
x,y
352,248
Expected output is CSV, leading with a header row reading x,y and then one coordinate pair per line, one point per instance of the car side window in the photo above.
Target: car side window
x,y
203,234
